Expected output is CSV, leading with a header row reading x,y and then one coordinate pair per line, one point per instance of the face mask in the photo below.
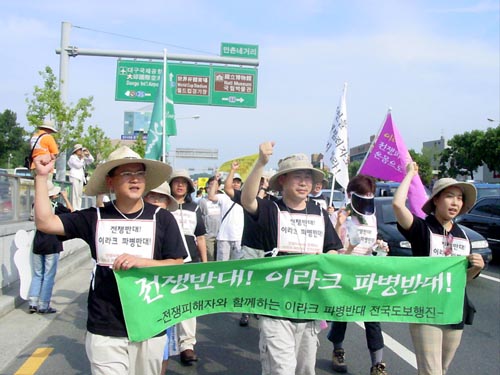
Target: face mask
x,y
362,205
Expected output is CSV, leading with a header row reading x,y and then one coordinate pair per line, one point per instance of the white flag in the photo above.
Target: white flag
x,y
337,147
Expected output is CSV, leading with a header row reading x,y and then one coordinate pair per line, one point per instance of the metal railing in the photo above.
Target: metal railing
x,y
17,194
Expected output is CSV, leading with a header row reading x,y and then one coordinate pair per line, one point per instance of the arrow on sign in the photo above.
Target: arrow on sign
x,y
233,99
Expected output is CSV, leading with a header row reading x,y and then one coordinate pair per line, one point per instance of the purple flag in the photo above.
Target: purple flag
x,y
387,160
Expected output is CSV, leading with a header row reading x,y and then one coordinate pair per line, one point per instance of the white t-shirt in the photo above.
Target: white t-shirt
x,y
231,228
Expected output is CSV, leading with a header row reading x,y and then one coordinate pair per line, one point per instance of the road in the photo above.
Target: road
x,y
227,349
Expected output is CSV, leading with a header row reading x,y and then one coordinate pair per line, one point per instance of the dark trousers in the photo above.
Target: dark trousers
x,y
373,332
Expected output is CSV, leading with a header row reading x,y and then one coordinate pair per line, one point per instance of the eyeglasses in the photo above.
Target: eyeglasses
x,y
138,174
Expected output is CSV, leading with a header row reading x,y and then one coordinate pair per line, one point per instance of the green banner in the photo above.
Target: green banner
x,y
321,287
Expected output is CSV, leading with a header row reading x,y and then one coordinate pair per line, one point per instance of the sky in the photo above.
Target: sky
x,y
435,63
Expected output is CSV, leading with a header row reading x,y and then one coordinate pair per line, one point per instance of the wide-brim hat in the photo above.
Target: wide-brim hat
x,y
156,171
52,189
468,190
164,189
77,147
184,174
292,163
48,124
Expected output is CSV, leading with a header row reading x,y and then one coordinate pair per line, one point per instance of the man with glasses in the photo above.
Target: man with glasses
x,y
128,176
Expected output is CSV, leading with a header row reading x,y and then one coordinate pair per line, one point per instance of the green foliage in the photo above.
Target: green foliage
x,y
490,148
463,155
46,102
139,145
424,166
14,145
98,144
354,168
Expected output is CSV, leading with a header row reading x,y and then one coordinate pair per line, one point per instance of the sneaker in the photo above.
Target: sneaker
x,y
338,361
244,320
32,309
378,369
48,310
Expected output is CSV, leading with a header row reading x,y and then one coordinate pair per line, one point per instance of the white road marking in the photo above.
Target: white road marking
x,y
490,278
401,350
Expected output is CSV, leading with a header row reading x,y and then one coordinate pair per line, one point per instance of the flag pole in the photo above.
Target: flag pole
x,y
370,149
163,111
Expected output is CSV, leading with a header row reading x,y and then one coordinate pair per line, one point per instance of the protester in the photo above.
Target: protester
x,y
438,235
252,240
128,176
191,223
79,159
161,197
363,227
43,143
45,257
289,346
317,195
231,226
210,212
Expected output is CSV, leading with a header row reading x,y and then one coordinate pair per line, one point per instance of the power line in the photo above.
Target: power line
x,y
142,39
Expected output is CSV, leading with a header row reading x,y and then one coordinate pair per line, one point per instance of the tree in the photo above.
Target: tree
x,y
463,155
139,145
97,143
13,143
490,148
46,102
424,166
354,168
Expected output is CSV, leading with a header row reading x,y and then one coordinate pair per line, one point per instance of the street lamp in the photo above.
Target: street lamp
x,y
8,161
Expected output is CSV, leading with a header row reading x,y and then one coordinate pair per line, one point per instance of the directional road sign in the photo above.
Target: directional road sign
x,y
198,84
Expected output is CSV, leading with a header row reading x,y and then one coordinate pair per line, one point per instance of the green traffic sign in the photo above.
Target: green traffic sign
x,y
193,83
137,81
248,51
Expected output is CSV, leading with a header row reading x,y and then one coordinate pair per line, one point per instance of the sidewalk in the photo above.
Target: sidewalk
x,y
72,279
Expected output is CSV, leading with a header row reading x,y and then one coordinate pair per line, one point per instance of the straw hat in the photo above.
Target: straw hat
x,y
48,124
184,174
53,190
77,147
292,163
164,189
468,190
157,172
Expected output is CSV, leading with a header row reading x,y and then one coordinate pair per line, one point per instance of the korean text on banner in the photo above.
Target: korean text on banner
x,y
321,287
337,147
387,160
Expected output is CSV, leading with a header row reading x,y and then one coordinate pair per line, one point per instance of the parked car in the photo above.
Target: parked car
x,y
484,217
399,246
22,171
388,188
338,197
486,190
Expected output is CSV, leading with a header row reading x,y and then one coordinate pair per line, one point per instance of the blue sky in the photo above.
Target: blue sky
x,y
435,63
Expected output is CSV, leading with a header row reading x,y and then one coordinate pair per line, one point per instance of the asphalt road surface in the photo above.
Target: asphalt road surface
x,y
224,347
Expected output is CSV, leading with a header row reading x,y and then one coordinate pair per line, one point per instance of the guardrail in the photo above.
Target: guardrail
x,y
17,194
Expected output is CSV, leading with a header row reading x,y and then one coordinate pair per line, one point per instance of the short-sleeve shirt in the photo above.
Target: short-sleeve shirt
x,y
105,314
421,231
45,244
267,218
191,223
253,235
45,145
